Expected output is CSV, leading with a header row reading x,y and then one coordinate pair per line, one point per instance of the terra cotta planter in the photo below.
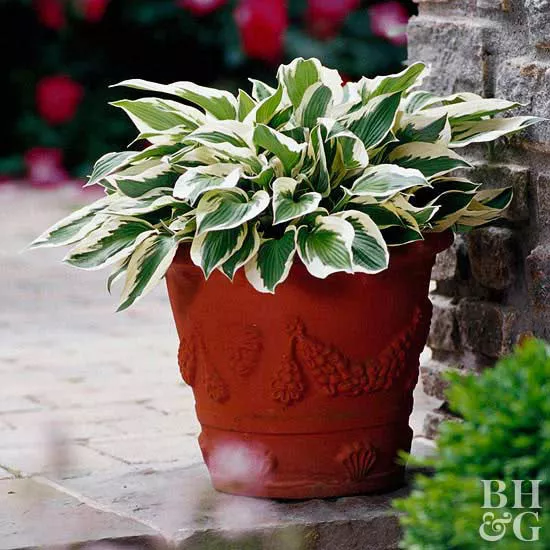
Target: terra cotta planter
x,y
305,393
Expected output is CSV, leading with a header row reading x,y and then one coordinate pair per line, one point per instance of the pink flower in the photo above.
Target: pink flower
x,y
262,25
92,10
389,20
45,166
201,7
325,17
51,13
57,98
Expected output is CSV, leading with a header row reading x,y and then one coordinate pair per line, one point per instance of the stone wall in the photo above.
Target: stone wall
x,y
493,285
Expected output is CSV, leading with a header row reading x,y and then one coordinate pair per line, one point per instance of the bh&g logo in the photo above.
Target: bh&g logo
x,y
523,523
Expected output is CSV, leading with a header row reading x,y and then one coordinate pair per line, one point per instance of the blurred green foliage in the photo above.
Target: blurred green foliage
x,y
505,435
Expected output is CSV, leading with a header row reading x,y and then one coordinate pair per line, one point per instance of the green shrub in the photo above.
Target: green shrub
x,y
505,436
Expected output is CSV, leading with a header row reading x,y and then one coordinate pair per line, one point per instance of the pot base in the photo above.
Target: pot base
x,y
301,466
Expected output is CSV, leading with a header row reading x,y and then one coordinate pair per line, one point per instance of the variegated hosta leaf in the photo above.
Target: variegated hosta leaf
x,y
382,215
415,216
196,181
191,156
289,206
283,147
320,178
385,180
431,159
184,226
248,249
400,235
314,105
141,178
416,100
218,103
393,83
118,272
271,265
149,202
225,209
261,90
210,250
479,131
232,132
486,206
227,152
370,253
420,127
147,266
115,240
154,116
372,122
326,247
109,163
299,75
74,227
475,109
245,104
264,111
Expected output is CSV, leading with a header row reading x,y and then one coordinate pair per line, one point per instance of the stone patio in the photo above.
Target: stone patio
x,y
97,431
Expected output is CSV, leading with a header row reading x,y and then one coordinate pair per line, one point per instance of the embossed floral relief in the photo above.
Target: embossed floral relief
x,y
333,372
357,458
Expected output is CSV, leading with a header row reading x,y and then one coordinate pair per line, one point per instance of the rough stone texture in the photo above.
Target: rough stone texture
x,y
432,379
493,286
434,419
98,432
444,329
493,256
443,44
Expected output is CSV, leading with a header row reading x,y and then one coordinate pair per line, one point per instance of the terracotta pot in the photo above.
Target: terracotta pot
x,y
305,393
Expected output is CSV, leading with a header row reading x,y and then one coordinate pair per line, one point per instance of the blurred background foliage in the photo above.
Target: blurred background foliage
x,y
65,53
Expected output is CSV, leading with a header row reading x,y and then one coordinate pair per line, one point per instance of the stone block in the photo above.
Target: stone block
x,y
526,81
499,5
538,17
433,382
493,256
486,327
433,422
538,278
493,175
446,263
456,51
443,330
35,515
541,187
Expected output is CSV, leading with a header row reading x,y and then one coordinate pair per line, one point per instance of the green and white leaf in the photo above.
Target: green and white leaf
x,y
219,103
232,132
420,127
74,227
196,181
210,250
286,149
114,241
264,111
261,90
314,105
271,265
287,205
149,202
109,163
141,178
385,180
400,82
326,247
486,206
430,158
225,209
147,266
475,109
372,122
480,131
245,104
369,250
248,249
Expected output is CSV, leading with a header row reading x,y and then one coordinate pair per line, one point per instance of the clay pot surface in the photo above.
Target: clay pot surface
x,y
307,392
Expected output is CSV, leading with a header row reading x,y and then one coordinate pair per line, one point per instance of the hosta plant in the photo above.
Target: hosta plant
x,y
314,171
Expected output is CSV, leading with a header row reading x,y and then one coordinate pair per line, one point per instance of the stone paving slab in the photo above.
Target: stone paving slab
x,y
54,518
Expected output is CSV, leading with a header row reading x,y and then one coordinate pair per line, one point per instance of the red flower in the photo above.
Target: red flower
x,y
45,166
57,98
92,10
389,20
325,17
51,13
201,7
262,25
